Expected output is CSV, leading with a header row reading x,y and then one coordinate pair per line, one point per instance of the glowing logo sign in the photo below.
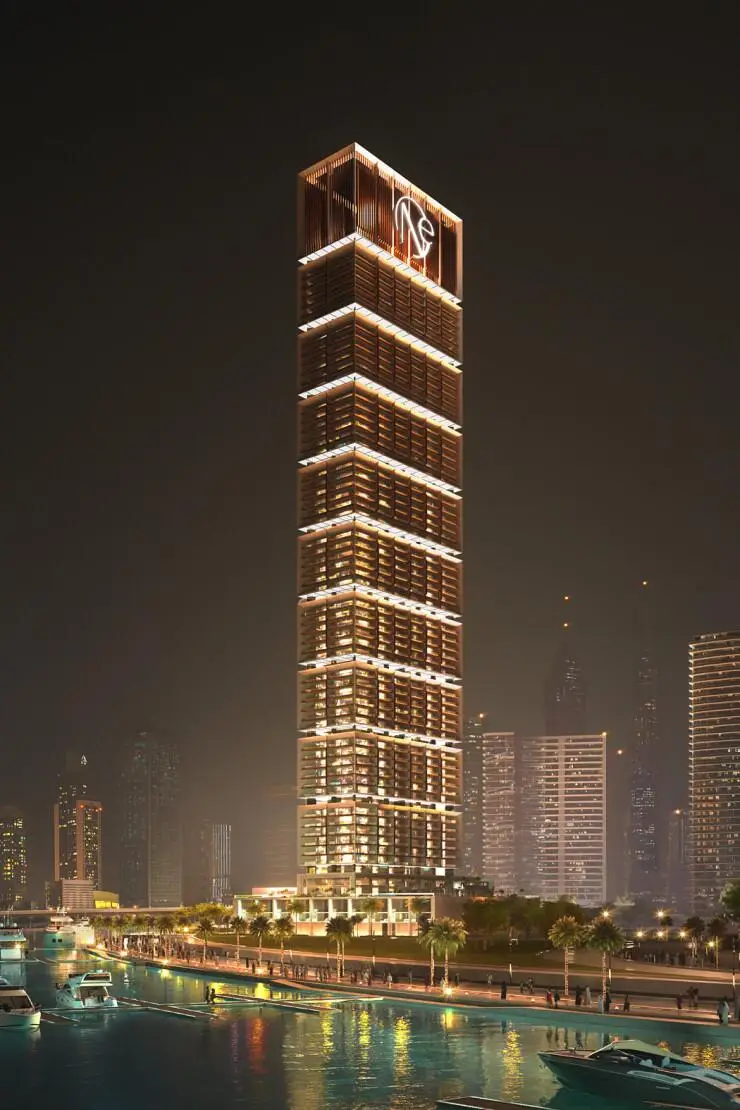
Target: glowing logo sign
x,y
411,219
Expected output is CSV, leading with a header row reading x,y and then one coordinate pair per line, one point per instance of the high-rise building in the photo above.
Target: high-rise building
x,y
208,867
676,869
644,871
72,784
472,817
13,857
380,347
545,815
499,811
714,765
151,844
566,710
89,829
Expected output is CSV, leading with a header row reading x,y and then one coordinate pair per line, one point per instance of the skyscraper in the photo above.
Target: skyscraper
x,y
89,830
151,871
565,688
13,857
208,869
472,818
643,814
676,868
714,765
380,344
545,815
72,783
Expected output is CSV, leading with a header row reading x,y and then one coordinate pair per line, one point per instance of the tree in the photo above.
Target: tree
x,y
428,940
565,933
237,924
204,928
731,899
339,930
716,929
448,936
695,927
283,929
260,927
165,928
371,906
419,907
607,938
355,920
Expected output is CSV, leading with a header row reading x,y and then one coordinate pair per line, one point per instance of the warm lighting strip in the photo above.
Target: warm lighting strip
x,y
451,808
394,600
369,522
386,256
384,325
383,665
387,395
382,734
388,463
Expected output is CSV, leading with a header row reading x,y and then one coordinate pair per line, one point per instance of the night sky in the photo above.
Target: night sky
x,y
148,381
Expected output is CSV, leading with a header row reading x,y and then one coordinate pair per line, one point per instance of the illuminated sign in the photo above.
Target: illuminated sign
x,y
411,219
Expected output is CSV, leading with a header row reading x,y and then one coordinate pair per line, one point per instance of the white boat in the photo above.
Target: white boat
x,y
12,943
17,1011
87,991
61,932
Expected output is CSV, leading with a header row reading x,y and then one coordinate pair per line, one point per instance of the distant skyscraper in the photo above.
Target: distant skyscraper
x,y
151,872
472,820
644,871
72,783
545,815
13,857
714,765
565,689
208,867
89,829
676,868
379,642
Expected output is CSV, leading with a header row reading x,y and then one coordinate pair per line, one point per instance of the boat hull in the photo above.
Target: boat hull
x,y
633,1085
20,1020
64,1002
12,953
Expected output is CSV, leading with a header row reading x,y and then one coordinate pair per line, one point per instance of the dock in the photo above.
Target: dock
x,y
278,1003
165,1008
53,1017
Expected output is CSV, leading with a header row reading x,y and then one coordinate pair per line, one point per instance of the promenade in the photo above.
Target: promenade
x,y
320,978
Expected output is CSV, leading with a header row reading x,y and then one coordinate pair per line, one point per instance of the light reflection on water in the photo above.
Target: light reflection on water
x,y
374,1056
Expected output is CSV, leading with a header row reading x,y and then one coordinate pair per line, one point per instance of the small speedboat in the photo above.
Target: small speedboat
x,y
17,1011
634,1071
88,991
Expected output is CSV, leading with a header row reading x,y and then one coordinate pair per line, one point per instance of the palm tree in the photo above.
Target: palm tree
x,y
237,924
355,920
204,927
97,923
450,937
607,938
184,917
283,928
419,906
339,930
371,906
428,940
565,934
260,927
716,929
166,925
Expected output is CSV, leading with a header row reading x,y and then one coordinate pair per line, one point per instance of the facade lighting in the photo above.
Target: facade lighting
x,y
383,460
381,665
415,409
366,521
387,326
394,600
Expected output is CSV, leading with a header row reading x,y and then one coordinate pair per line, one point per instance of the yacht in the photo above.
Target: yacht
x,y
17,1011
87,991
12,942
634,1071
61,932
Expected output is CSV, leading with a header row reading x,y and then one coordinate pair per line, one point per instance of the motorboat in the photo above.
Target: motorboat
x,y
17,1011
12,942
634,1071
87,991
64,932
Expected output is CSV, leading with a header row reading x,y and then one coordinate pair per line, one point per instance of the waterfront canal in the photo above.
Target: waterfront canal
x,y
356,1055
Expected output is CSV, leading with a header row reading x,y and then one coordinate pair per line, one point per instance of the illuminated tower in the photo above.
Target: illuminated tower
x,y
379,626
472,818
643,815
72,784
565,688
13,857
151,844
714,765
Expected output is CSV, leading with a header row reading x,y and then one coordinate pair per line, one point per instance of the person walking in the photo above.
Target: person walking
x,y
679,1001
607,1002
725,1012
556,999
588,996
627,1004
579,996
600,1004
504,989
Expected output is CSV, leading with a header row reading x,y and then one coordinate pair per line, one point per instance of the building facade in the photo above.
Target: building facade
x,y
380,529
151,843
544,824
13,857
644,871
209,865
714,765
677,858
72,785
566,703
472,817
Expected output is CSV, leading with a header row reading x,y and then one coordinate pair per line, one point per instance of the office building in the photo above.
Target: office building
x,y
72,785
714,765
644,867
209,863
676,869
566,708
544,822
13,857
151,843
472,816
379,643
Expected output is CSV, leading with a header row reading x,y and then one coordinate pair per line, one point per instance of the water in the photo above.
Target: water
x,y
360,1056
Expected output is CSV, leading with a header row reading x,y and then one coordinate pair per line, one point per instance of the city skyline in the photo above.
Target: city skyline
x,y
149,574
